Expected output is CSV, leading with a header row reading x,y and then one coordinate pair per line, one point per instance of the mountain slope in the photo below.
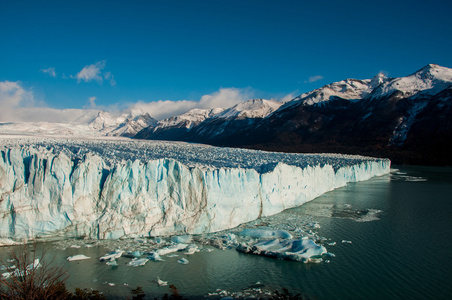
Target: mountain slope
x,y
211,125
407,119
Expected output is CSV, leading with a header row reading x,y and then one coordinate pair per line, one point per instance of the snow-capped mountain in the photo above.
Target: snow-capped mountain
x,y
84,123
213,123
251,109
123,125
408,119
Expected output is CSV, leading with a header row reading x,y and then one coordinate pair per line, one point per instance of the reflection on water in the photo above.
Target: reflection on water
x,y
389,237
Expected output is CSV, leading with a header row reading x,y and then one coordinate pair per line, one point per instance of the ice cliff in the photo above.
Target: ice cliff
x,y
108,189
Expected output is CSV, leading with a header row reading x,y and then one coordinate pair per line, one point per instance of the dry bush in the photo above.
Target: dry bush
x,y
32,275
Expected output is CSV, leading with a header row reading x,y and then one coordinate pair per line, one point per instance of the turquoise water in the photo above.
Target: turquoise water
x,y
399,232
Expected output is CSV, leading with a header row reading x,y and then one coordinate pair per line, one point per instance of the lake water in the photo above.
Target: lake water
x,y
393,241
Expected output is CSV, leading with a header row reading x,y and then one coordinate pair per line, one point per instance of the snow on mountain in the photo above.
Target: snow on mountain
x,y
92,123
108,189
430,80
254,108
126,124
346,89
189,119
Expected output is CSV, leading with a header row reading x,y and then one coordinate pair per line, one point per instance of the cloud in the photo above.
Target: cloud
x,y
51,71
95,72
91,72
224,98
13,96
92,102
314,78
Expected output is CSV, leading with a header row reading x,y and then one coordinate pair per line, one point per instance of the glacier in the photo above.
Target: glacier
x,y
111,188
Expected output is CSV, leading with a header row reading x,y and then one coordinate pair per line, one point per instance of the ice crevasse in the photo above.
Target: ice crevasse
x,y
54,189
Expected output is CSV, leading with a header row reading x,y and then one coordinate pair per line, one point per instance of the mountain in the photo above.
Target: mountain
x,y
127,125
84,123
408,119
211,125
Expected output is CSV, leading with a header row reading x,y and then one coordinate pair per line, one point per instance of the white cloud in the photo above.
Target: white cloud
x,y
91,72
51,71
314,78
225,97
92,102
13,96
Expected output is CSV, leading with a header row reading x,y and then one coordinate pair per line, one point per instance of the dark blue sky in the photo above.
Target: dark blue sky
x,y
65,52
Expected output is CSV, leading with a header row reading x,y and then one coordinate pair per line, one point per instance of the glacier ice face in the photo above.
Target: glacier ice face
x,y
108,189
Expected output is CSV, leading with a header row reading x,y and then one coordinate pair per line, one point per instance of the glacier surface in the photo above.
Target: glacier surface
x,y
112,188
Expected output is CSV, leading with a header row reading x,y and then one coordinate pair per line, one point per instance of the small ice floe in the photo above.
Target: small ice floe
x,y
112,255
137,262
173,255
161,282
112,263
133,254
18,273
111,284
314,225
265,233
155,257
191,249
303,250
208,249
172,248
332,244
183,261
346,242
182,239
88,245
77,257
75,246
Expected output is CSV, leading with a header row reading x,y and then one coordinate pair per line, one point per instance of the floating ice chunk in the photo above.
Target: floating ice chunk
x,y
77,257
18,273
298,250
265,233
183,261
346,242
191,249
34,265
75,246
112,263
111,284
134,254
173,255
161,282
137,262
155,256
183,239
112,255
332,244
314,225
172,248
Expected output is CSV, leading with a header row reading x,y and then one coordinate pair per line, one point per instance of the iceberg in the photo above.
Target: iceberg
x,y
303,250
183,261
112,255
137,262
265,233
77,257
110,189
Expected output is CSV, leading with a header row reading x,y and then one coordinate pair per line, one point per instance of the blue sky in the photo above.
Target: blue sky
x,y
61,54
